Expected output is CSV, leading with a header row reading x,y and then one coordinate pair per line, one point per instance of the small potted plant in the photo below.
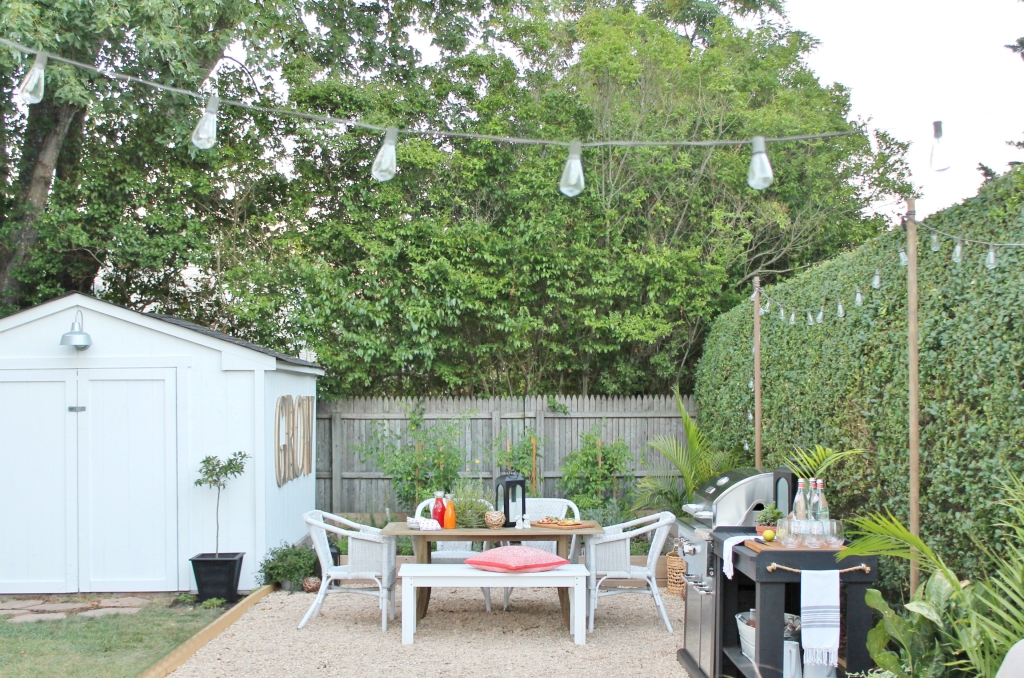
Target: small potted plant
x,y
770,515
217,573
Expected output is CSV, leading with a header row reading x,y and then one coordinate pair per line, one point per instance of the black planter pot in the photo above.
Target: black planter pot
x,y
217,577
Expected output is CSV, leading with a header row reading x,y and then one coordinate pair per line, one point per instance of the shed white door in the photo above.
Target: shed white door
x,y
38,481
127,519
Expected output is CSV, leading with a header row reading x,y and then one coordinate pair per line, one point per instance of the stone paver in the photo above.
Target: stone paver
x,y
11,613
46,616
108,610
19,604
59,607
124,602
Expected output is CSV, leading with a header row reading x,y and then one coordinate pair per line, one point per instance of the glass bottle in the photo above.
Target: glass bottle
x,y
800,502
822,504
437,513
449,514
812,499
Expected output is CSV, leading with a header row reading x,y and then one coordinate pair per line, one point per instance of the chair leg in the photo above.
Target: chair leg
x,y
593,608
383,610
391,601
487,598
315,607
660,605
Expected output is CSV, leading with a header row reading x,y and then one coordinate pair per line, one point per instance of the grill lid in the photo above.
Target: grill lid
x,y
727,498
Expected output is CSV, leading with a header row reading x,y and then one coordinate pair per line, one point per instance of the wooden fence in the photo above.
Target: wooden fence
x,y
345,483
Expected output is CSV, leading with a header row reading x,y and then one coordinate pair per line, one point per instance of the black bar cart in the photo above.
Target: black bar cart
x,y
769,582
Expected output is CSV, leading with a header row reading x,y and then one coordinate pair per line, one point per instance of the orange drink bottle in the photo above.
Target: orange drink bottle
x,y
449,514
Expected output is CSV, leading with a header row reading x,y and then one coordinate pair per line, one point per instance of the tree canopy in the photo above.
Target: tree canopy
x,y
468,272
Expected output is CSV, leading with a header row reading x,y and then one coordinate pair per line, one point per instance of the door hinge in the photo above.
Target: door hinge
x,y
76,408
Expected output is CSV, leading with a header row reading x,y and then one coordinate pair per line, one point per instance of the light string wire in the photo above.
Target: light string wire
x,y
417,132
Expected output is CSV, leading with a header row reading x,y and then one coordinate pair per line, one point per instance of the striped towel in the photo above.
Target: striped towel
x,y
819,616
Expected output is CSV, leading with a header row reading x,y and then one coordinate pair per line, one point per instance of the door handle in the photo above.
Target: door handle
x,y
76,408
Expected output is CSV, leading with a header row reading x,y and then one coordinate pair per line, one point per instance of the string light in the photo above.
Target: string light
x,y
990,260
32,87
859,299
903,257
572,182
759,175
938,160
810,318
821,316
792,318
386,163
935,242
958,251
840,311
204,136
876,282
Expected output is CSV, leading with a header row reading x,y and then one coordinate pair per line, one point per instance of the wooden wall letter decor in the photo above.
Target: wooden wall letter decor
x,y
293,454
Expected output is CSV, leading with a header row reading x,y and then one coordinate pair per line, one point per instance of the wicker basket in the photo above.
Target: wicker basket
x,y
311,584
495,519
676,567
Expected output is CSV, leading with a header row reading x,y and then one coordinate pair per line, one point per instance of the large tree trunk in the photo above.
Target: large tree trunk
x,y
48,127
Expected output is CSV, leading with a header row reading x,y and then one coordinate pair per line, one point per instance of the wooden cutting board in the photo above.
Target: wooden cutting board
x,y
585,523
758,547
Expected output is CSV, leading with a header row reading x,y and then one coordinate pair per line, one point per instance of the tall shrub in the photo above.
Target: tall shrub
x,y
843,383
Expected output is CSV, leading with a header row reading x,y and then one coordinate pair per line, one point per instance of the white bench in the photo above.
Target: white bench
x,y
466,576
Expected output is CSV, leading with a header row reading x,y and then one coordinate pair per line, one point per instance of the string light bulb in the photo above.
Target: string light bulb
x,y
385,165
750,385
903,257
876,282
204,136
759,175
840,311
32,87
821,315
935,242
958,251
792,318
990,260
750,416
938,161
859,298
572,182
782,313
810,318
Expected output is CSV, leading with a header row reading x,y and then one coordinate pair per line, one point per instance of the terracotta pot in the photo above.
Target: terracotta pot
x,y
761,529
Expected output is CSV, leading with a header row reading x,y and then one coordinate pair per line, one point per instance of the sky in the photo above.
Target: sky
x,y
910,62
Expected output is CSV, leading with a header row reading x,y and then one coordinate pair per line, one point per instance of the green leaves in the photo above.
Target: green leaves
x,y
596,473
215,473
813,462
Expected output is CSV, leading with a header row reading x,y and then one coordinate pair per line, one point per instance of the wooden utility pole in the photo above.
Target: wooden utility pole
x,y
913,413
757,372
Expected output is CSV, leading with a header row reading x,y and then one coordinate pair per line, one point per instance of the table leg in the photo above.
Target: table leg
x,y
562,548
408,610
579,612
422,593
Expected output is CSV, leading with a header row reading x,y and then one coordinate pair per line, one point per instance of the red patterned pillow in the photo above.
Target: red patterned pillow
x,y
516,559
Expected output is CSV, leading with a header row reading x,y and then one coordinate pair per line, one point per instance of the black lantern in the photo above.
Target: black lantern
x,y
510,490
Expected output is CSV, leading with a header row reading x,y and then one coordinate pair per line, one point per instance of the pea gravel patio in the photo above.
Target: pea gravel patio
x,y
457,638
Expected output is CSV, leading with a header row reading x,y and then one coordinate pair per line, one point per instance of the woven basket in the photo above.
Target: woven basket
x,y
494,519
311,584
676,570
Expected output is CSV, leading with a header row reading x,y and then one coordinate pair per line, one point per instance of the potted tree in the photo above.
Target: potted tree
x,y
768,517
217,573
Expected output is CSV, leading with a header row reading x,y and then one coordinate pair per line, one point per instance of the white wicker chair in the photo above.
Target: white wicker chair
x,y
608,556
539,507
451,551
370,556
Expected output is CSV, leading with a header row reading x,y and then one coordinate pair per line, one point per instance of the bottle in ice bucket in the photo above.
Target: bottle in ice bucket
x,y
822,504
437,513
800,502
449,514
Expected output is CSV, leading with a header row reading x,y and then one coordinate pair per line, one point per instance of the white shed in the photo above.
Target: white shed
x,y
100,448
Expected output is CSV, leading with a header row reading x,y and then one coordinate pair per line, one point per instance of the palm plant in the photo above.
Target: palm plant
x,y
692,461
814,461
972,625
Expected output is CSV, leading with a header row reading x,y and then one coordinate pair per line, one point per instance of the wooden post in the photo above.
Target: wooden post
x,y
757,372
913,414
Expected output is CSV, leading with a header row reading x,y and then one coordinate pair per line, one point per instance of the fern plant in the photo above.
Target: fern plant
x,y
814,461
690,462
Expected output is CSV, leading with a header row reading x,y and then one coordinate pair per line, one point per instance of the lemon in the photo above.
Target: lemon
x,y
768,535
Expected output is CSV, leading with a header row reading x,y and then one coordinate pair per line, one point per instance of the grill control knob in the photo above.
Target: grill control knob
x,y
689,549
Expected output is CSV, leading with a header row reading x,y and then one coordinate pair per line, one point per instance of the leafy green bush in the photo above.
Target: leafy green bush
x,y
288,563
596,473
519,456
212,603
843,383
425,459
470,499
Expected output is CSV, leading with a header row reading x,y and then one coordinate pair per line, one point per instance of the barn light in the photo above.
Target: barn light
x,y
77,337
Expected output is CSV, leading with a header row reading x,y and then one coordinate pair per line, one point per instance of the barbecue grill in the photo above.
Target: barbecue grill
x,y
731,499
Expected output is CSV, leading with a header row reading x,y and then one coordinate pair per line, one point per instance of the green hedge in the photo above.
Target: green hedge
x,y
844,383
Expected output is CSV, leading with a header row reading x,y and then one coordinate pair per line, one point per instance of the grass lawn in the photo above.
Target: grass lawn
x,y
110,646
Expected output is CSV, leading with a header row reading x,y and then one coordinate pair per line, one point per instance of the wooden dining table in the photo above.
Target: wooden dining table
x,y
561,536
